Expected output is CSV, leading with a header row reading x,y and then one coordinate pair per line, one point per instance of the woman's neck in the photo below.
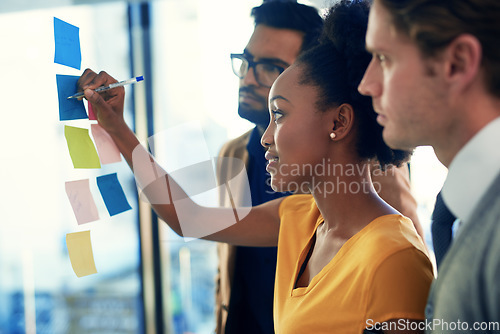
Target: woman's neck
x,y
347,199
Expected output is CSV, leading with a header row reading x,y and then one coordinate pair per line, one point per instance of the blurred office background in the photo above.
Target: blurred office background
x,y
149,280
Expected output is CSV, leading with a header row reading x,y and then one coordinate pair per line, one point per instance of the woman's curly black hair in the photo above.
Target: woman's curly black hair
x,y
336,67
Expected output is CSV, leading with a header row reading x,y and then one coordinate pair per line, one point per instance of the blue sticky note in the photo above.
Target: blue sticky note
x,y
112,194
72,108
67,44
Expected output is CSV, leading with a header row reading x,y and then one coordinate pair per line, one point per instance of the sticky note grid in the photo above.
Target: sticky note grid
x,y
83,153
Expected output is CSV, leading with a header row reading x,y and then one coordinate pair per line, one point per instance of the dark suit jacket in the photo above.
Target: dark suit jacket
x,y
467,288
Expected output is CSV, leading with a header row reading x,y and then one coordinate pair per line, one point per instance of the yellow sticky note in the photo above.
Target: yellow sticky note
x,y
80,253
81,148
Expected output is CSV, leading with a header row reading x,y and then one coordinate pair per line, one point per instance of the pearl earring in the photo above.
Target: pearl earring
x,y
333,135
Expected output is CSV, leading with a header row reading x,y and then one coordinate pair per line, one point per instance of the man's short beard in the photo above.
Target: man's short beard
x,y
258,117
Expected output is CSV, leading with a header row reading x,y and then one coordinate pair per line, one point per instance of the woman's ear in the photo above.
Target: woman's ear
x,y
343,120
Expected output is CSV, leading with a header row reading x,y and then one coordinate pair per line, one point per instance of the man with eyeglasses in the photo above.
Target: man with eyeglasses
x,y
265,71
245,285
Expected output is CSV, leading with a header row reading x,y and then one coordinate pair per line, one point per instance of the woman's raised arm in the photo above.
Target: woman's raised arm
x,y
256,226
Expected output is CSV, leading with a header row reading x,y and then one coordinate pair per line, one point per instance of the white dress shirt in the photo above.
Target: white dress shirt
x,y
472,171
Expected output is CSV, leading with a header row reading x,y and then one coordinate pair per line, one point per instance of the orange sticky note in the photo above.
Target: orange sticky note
x,y
80,253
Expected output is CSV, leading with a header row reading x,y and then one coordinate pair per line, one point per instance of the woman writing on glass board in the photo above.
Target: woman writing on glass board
x,y
347,261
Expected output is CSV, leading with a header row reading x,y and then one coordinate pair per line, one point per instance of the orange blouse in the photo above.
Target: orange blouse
x,y
381,273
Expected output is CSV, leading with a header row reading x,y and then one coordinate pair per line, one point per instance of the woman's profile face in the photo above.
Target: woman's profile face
x,y
298,135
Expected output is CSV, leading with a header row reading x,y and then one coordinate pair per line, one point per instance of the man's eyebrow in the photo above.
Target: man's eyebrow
x,y
377,48
267,60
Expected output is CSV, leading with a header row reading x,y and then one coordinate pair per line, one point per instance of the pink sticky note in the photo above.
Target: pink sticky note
x,y
82,201
106,147
91,112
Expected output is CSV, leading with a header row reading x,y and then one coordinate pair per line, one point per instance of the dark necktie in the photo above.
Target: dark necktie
x,y
442,223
